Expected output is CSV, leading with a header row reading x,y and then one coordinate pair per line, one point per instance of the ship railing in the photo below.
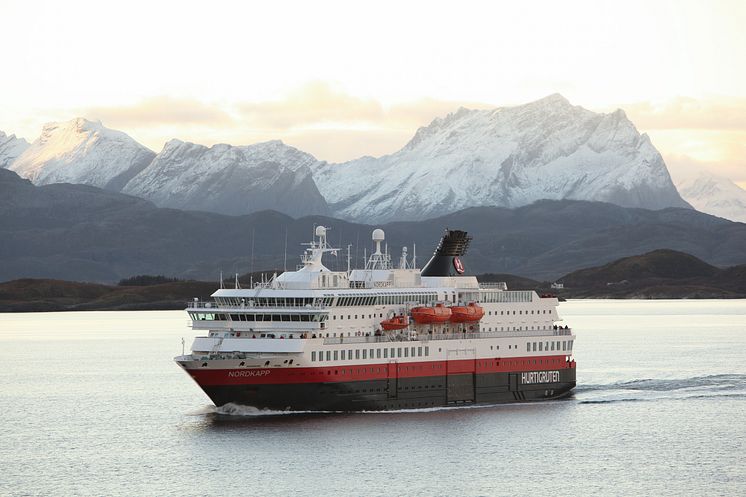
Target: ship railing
x,y
250,305
500,285
388,338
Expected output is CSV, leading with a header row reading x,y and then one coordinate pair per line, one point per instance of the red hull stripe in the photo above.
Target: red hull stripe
x,y
380,371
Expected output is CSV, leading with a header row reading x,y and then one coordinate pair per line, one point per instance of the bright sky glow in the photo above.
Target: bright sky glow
x,y
344,79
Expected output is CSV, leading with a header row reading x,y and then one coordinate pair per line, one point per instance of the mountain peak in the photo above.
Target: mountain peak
x,y
82,151
10,148
508,157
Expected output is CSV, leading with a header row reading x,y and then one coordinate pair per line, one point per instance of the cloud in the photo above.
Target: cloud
x,y
719,113
161,110
320,105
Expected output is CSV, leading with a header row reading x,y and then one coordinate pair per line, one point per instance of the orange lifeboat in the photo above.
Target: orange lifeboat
x,y
395,323
430,315
466,313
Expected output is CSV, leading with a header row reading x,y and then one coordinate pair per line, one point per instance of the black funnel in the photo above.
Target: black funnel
x,y
446,260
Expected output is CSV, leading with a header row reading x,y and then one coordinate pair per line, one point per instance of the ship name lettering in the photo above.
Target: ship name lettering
x,y
540,377
248,372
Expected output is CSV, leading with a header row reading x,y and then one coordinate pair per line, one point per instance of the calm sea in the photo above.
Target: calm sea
x,y
92,404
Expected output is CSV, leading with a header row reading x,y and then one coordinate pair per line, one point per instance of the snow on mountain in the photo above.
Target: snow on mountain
x,y
712,194
231,180
511,156
10,148
81,151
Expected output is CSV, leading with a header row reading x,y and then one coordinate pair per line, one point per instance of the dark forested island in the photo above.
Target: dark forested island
x,y
660,274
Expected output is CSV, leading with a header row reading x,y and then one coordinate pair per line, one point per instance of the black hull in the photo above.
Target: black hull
x,y
392,394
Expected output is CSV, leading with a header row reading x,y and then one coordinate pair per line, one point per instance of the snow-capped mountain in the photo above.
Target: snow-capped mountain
x,y
231,180
511,156
82,151
712,194
10,148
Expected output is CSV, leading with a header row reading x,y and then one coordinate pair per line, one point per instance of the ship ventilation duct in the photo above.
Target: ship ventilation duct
x,y
446,261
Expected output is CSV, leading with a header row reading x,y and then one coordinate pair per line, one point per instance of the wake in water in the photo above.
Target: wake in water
x,y
649,389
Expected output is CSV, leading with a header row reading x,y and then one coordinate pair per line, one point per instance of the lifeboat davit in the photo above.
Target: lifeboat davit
x,y
466,313
430,315
395,323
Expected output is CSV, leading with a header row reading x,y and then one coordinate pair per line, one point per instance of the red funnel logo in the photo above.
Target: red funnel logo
x,y
458,265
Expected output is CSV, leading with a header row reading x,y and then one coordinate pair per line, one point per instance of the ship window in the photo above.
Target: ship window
x,y
355,316
546,345
343,354
365,353
357,353
564,345
392,353
412,352
541,344
341,317
528,346
419,351
336,356
378,353
349,316
385,353
534,347
406,352
313,356
398,352
328,355
427,351
552,345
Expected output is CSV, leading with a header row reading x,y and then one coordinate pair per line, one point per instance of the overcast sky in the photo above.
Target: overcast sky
x,y
345,79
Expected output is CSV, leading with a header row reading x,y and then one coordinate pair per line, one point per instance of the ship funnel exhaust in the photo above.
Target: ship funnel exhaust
x,y
446,261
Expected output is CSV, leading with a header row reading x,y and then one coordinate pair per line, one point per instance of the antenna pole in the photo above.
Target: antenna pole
x,y
221,279
285,260
348,258
414,256
252,253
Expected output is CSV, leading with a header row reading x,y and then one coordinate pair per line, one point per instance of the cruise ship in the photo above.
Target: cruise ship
x,y
388,336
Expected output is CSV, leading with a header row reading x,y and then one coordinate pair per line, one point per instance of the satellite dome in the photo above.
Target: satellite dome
x,y
378,235
320,231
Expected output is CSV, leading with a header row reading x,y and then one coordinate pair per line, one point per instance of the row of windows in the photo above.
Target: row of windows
x,y
273,301
566,345
378,353
388,299
207,316
520,313
506,296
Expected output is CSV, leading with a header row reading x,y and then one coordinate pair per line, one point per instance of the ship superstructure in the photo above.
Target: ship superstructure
x,y
381,337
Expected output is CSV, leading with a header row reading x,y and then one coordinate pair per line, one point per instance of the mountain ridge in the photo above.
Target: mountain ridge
x,y
78,232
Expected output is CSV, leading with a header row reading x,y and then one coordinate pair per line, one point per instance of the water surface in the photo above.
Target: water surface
x,y
92,404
